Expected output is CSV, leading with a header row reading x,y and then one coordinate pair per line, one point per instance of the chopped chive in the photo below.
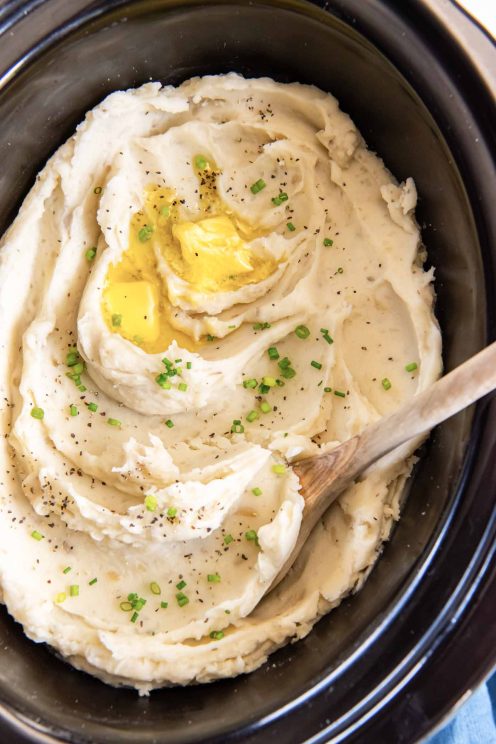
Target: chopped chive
x,y
210,337
74,590
252,416
278,200
340,270
386,384
181,584
290,226
164,605
256,491
264,389
340,394
171,512
228,539
67,569
258,186
163,380
284,363
165,211
328,242
217,635
201,162
269,381
411,367
82,388
113,422
90,254
251,383
182,599
126,606
60,597
273,353
151,502
302,331
189,365
327,390
78,368
261,326
279,469
97,190
182,387
315,364
169,423
155,588
93,581
73,410
288,373
265,407
213,578
92,407
116,319
237,427
326,336
37,413
251,536
134,617
72,358
145,233
37,535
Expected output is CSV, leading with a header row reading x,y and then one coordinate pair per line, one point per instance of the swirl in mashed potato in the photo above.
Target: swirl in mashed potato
x,y
205,283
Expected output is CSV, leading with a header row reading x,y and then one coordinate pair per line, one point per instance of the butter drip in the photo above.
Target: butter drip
x,y
211,255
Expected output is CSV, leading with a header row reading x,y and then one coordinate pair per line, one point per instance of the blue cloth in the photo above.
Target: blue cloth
x,y
475,722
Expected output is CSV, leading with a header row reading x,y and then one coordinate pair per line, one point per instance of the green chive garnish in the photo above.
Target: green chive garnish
x,y
228,539
251,383
288,373
97,190
182,387
325,334
164,605
278,200
169,423
340,394
151,502
60,597
145,233
134,617
92,407
269,381
155,588
251,536
182,599
189,365
411,367
328,242
213,578
37,535
279,469
67,569
273,353
290,226
302,331
327,390
315,364
210,337
252,416
74,590
165,211
256,491
171,512
126,606
386,384
73,410
116,319
113,422
37,413
258,186
90,254
72,358
217,635
265,407
163,380
201,162
92,582
181,584
237,427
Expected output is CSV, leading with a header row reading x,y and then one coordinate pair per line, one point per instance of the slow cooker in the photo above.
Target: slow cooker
x,y
392,661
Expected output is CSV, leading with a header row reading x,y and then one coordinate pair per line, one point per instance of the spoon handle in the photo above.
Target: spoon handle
x,y
458,389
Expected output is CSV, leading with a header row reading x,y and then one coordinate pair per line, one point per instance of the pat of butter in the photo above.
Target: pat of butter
x,y
137,305
212,252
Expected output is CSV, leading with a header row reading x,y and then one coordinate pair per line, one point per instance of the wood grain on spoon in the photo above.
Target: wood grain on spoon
x,y
324,477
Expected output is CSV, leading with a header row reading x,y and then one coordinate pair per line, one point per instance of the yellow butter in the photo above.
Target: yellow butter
x,y
134,305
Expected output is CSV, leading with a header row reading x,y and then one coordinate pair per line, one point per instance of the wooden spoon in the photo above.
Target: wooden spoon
x,y
324,477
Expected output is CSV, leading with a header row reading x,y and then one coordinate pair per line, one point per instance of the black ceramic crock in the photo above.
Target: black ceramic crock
x,y
390,662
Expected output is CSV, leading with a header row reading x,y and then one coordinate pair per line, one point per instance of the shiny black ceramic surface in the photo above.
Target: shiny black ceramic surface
x,y
389,662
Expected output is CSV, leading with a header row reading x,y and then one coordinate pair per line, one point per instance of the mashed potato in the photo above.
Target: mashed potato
x,y
204,284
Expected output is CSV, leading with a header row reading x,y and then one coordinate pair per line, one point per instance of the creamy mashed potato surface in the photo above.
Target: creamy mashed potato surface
x,y
205,283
